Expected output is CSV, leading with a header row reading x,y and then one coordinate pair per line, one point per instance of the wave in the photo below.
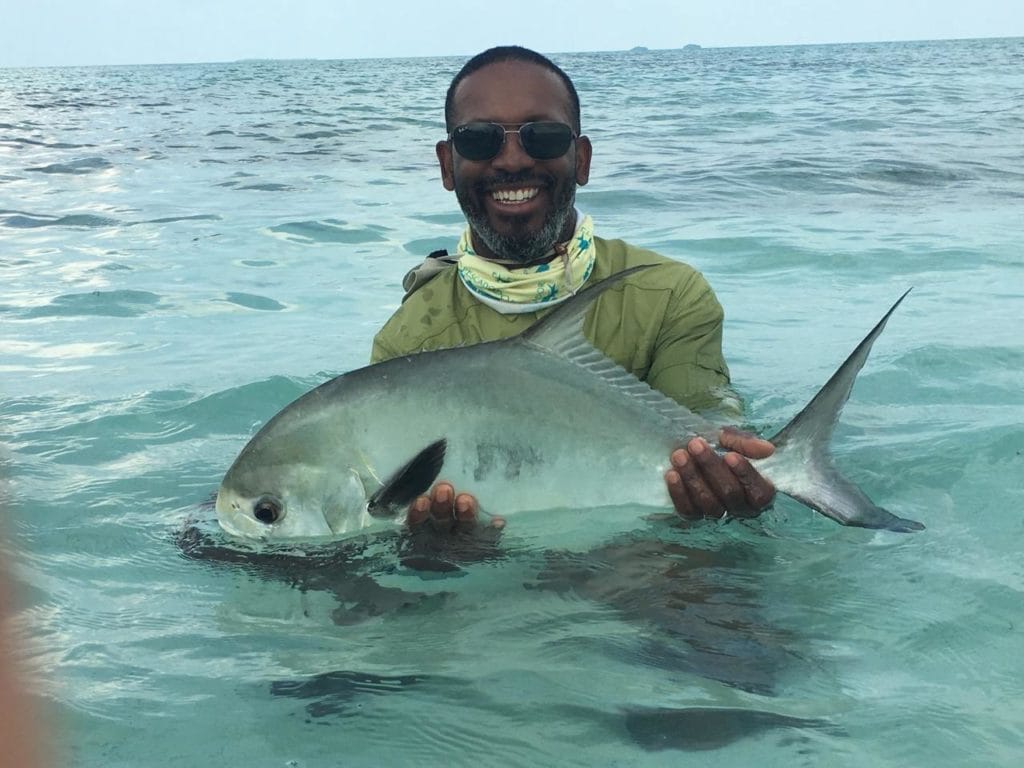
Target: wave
x,y
75,167
328,231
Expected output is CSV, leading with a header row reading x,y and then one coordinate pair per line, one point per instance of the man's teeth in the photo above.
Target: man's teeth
x,y
514,195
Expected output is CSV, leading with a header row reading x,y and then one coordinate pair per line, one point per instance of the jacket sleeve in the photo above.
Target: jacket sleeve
x,y
384,347
688,364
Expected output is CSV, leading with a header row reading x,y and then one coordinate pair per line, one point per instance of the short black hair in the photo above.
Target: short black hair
x,y
509,53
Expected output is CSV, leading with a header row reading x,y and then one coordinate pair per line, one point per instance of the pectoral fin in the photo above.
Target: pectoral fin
x,y
411,480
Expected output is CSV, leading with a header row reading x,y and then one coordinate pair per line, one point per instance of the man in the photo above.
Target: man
x,y
514,157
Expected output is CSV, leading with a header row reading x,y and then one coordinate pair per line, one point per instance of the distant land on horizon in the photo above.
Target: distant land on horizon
x,y
635,49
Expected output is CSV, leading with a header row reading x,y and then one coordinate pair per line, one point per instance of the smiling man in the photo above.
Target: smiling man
x,y
514,156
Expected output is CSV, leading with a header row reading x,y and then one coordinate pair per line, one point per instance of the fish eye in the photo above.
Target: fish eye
x,y
268,510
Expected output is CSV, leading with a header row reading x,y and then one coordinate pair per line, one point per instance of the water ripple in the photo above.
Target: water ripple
x,y
16,220
328,231
117,303
75,167
250,301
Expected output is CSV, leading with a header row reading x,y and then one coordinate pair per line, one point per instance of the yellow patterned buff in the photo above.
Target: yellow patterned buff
x,y
526,289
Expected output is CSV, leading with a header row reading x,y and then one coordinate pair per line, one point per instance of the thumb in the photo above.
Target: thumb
x,y
745,443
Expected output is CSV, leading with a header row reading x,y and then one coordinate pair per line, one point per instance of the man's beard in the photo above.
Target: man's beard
x,y
527,246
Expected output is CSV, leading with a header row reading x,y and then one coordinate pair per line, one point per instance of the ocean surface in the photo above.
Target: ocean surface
x,y
186,249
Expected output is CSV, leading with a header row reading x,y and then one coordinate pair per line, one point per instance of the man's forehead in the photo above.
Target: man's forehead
x,y
506,84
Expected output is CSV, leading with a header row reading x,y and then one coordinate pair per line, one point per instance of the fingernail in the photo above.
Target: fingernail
x,y
462,505
422,504
696,446
443,496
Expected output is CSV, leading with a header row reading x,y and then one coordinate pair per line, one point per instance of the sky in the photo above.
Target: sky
x,y
82,32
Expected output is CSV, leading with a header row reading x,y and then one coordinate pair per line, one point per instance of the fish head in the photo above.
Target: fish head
x,y
291,502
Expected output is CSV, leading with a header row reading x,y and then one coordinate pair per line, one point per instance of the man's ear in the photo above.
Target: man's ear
x,y
584,151
447,162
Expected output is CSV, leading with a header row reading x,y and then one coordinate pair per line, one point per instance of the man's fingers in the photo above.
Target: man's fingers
x,y
722,484
693,497
442,503
744,443
444,510
758,490
465,508
437,508
702,483
677,491
419,511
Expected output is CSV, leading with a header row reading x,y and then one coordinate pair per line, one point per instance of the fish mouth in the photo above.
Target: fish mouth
x,y
232,530
230,512
240,534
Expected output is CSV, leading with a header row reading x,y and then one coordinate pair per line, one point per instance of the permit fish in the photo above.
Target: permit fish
x,y
539,421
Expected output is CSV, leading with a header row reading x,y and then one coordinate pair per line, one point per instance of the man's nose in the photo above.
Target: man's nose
x,y
512,156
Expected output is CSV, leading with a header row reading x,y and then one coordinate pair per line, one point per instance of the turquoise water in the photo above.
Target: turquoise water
x,y
185,249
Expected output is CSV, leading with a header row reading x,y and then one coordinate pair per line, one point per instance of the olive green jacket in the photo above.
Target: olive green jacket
x,y
664,324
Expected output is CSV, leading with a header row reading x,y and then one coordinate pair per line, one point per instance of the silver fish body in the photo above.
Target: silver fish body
x,y
539,421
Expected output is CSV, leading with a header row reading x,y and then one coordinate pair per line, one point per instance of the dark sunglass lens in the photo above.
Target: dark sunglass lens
x,y
478,141
546,141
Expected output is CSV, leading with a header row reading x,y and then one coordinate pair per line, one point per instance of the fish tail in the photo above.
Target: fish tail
x,y
802,465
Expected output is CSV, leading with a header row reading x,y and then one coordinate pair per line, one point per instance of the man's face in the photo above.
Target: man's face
x,y
517,207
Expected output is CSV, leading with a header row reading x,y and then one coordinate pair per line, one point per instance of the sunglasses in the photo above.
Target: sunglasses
x,y
541,141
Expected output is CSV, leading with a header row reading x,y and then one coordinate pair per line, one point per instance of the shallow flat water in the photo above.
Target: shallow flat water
x,y
185,249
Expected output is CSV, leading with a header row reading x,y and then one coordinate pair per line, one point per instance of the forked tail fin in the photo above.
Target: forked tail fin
x,y
802,465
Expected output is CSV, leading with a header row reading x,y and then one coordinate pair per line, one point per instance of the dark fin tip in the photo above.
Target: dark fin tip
x,y
411,480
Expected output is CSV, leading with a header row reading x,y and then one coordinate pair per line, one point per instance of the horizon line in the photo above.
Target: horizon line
x,y
639,48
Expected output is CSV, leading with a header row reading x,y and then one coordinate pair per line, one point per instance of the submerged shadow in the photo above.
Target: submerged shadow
x,y
337,693
701,608
698,611
344,569
703,728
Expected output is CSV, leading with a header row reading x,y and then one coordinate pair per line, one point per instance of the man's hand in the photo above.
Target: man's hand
x,y
442,532
444,511
703,483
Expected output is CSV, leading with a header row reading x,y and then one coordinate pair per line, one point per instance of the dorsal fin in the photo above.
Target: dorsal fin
x,y
563,327
560,334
